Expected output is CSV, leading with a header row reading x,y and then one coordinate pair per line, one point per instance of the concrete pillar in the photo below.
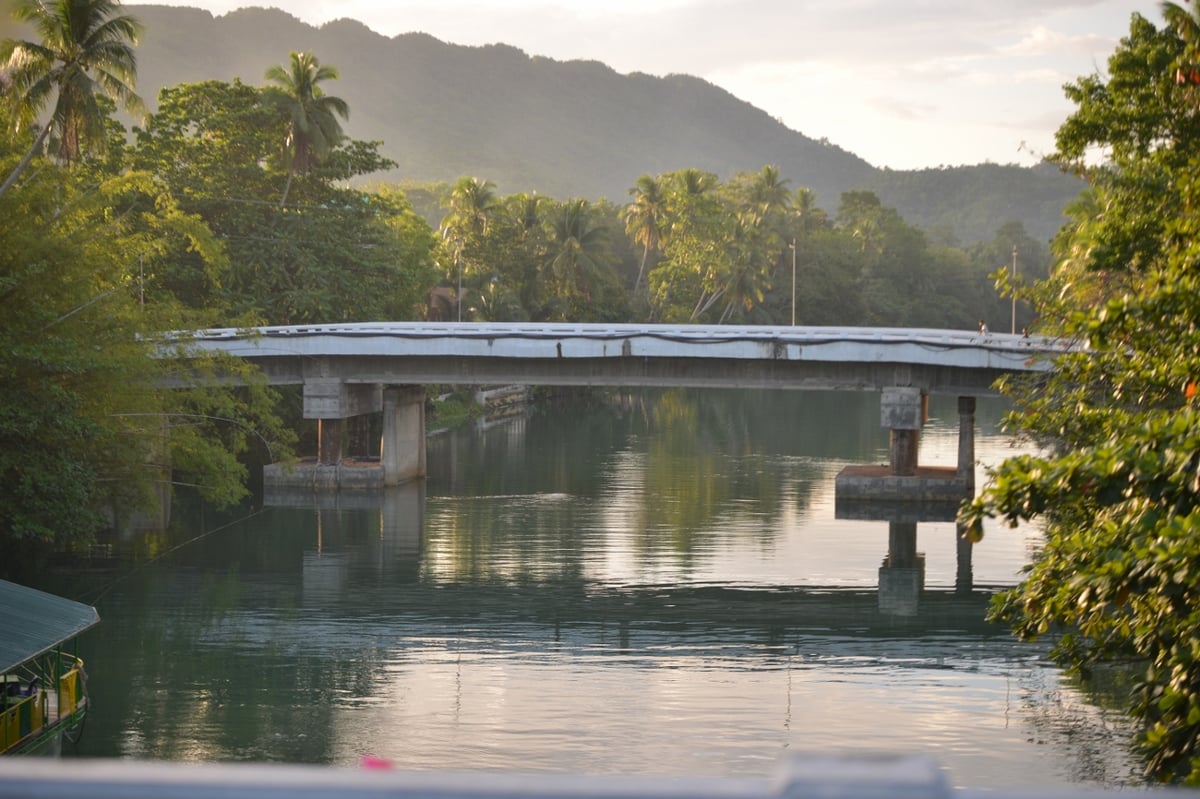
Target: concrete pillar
x,y
331,401
330,433
402,447
966,443
902,411
358,437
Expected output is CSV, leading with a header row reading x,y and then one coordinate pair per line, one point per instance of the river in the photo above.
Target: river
x,y
658,585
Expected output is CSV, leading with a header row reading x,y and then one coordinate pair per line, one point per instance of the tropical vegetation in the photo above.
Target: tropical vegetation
x,y
1118,485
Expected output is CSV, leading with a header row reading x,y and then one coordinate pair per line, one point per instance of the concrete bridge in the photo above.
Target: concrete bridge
x,y
350,370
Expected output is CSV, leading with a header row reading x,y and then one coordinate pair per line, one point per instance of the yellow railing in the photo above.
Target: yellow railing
x,y
68,691
22,720
25,716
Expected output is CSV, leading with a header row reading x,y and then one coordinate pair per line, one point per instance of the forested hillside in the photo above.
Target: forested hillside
x,y
569,129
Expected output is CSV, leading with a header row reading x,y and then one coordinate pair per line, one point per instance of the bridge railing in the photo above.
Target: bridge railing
x,y
822,777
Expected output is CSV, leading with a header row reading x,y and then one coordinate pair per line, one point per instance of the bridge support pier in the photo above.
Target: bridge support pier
x,y
903,410
903,493
333,403
402,449
330,434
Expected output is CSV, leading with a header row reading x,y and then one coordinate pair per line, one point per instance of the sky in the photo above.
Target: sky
x,y
905,84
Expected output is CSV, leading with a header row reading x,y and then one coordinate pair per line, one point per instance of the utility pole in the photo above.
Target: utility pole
x,y
793,246
458,296
1014,291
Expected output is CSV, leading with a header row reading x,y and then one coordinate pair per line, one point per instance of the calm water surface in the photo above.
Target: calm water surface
x,y
661,586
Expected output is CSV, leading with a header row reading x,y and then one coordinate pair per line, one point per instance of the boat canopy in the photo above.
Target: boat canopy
x,y
33,622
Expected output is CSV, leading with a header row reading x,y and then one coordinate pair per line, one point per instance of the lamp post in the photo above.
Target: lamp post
x,y
1014,290
793,246
458,296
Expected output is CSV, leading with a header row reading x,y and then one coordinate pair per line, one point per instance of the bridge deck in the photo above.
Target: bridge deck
x,y
937,361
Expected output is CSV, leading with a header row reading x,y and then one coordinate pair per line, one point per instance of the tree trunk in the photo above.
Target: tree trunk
x,y
641,268
21,167
287,187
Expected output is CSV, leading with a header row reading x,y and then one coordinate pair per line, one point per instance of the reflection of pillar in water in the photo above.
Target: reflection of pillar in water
x,y
324,570
964,579
902,575
402,522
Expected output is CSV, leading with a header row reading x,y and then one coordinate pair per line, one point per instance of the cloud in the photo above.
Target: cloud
x,y
1043,41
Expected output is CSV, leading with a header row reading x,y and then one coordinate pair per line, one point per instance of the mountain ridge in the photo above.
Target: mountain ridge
x,y
573,128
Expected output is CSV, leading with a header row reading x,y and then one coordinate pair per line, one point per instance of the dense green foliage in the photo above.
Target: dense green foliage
x,y
1119,486
690,248
329,253
87,433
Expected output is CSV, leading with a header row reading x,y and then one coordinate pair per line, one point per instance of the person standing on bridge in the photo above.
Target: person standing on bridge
x,y
983,327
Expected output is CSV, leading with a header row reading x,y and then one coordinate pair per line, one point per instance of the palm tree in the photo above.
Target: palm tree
x,y
765,192
1186,24
806,211
312,126
644,219
472,202
578,244
85,52
526,212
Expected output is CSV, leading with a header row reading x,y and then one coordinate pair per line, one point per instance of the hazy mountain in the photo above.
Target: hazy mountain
x,y
566,129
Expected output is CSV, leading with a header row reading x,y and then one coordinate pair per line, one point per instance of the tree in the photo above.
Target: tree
x,y
312,126
696,228
764,194
808,214
85,51
87,430
1119,487
578,245
472,202
336,254
644,219
1186,25
518,246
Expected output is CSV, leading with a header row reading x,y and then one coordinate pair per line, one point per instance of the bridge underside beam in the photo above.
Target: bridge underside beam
x,y
636,372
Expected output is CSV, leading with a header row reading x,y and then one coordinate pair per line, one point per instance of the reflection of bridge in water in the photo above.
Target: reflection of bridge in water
x,y
900,606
